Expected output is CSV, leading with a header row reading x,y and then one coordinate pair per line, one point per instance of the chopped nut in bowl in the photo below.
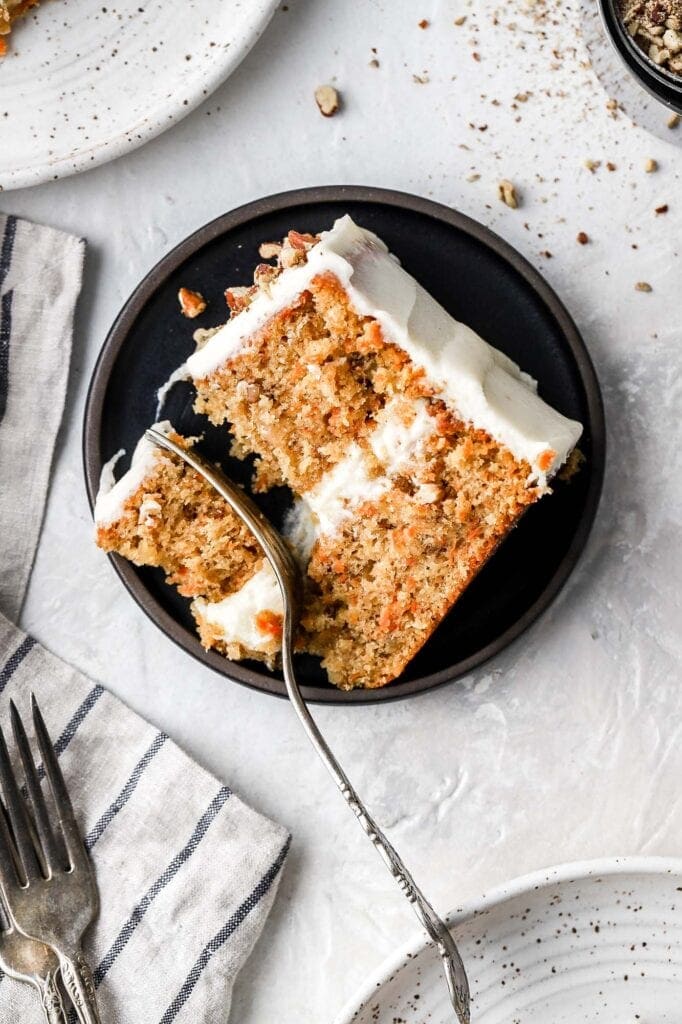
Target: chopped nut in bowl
x,y
648,37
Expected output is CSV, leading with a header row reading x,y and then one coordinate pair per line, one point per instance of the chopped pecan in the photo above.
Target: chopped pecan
x,y
191,303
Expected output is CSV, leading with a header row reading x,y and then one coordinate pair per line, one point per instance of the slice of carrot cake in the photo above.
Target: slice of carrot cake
x,y
412,447
163,513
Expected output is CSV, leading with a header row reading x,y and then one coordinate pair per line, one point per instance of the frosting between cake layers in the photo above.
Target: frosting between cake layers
x,y
483,386
402,428
112,493
236,615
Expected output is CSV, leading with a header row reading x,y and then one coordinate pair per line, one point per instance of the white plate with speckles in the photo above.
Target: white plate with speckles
x,y
593,943
84,82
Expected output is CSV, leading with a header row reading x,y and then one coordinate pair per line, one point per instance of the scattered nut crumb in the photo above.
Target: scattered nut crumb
x,y
327,99
460,21
476,56
473,176
592,165
610,166
582,237
651,165
674,120
612,104
547,254
191,303
507,193
643,286
522,97
661,209
421,79
374,63
424,23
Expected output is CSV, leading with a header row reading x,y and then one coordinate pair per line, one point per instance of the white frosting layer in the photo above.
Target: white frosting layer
x,y
112,494
235,616
484,387
394,443
402,428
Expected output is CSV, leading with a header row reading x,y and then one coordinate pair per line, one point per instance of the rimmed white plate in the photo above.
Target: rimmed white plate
x,y
599,942
83,82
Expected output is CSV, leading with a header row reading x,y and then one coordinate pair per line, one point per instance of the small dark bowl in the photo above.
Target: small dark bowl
x,y
661,84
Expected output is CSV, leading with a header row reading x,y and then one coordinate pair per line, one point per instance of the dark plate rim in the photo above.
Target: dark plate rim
x,y
302,197
658,83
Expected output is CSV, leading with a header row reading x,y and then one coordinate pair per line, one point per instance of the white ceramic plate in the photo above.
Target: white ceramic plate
x,y
592,943
83,82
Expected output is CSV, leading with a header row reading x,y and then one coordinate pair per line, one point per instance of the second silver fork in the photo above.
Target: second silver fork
x,y
46,876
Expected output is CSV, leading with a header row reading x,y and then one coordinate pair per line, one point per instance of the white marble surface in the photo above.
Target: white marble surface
x,y
567,746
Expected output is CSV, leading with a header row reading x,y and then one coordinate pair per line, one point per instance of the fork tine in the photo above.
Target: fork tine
x,y
9,878
17,815
35,792
67,819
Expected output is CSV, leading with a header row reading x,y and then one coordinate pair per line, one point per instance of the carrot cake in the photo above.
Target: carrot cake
x,y
412,447
10,10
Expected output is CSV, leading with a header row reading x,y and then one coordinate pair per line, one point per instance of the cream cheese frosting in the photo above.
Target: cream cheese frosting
x,y
112,493
236,616
483,386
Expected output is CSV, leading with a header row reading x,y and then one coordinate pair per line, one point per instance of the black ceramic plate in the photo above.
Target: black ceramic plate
x,y
481,281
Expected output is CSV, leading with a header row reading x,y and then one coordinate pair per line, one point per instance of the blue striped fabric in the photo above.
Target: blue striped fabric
x,y
186,871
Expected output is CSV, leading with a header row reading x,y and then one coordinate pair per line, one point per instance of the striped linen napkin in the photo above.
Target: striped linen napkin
x,y
187,872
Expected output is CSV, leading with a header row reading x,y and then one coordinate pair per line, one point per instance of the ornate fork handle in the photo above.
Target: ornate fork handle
x,y
453,968
80,985
51,999
439,934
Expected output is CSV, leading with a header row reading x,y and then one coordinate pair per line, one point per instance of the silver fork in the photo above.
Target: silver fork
x,y
288,575
47,879
26,960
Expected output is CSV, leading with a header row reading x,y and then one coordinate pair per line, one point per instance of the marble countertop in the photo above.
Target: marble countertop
x,y
569,744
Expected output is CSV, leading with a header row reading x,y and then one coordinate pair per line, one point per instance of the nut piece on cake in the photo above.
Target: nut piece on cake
x,y
410,456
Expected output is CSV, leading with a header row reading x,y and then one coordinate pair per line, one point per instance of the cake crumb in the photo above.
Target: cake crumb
x,y
674,120
327,99
572,466
592,165
460,21
661,209
506,191
191,303
582,237
651,165
643,286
